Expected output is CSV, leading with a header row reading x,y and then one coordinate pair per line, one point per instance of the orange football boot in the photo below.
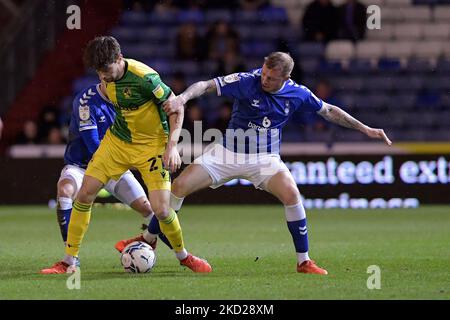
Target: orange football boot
x,y
309,266
196,264
59,268
123,243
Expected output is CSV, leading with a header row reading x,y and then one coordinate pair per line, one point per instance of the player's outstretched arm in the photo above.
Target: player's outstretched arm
x,y
337,115
171,157
195,90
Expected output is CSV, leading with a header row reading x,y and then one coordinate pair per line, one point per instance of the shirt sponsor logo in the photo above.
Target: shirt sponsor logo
x,y
158,92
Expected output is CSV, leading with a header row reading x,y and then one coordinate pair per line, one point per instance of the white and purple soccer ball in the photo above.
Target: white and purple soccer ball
x,y
138,257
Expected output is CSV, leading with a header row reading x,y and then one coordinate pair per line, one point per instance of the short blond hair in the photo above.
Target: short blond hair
x,y
280,60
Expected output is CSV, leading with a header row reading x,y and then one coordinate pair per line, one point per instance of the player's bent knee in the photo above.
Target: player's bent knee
x,y
290,197
179,187
66,189
142,205
161,212
84,196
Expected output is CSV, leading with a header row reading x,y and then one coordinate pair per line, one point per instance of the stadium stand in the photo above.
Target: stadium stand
x,y
396,73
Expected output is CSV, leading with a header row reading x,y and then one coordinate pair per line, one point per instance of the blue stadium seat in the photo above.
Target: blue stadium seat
x,y
190,68
409,82
389,65
212,16
331,67
156,33
246,17
124,34
443,66
428,99
274,15
134,18
163,18
360,66
162,66
420,65
403,100
309,65
257,48
310,49
191,16
264,32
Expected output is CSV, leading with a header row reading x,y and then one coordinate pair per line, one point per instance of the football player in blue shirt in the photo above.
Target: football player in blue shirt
x,y
92,114
264,100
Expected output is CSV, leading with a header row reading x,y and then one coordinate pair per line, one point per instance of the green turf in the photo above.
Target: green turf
x,y
249,248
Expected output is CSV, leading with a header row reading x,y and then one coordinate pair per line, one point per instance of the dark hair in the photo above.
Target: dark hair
x,y
101,52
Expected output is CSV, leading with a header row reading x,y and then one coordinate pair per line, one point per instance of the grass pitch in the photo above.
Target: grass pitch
x,y
249,248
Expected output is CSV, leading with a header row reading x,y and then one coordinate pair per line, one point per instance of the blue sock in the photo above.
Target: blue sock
x,y
299,234
153,227
63,221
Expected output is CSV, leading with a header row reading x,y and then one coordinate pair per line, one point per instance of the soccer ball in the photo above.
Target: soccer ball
x,y
138,257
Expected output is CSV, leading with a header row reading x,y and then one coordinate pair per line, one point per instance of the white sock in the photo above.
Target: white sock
x,y
182,254
297,212
65,203
175,202
302,256
147,219
70,260
149,237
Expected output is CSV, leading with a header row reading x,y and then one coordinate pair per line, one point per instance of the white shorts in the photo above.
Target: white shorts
x,y
224,165
127,189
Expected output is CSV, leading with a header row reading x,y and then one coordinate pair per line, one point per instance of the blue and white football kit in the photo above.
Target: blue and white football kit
x,y
251,144
92,115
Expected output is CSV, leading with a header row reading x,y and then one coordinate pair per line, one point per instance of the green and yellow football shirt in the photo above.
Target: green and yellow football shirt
x,y
137,99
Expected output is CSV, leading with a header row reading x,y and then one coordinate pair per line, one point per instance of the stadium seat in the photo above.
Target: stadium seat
x,y
397,3
124,34
340,50
309,65
441,14
446,49
386,33
311,49
443,66
246,17
421,65
389,65
156,33
391,15
427,50
266,32
362,66
373,2
409,82
163,18
400,50
408,31
191,16
369,50
273,15
134,18
382,82
212,16
416,14
403,100
436,31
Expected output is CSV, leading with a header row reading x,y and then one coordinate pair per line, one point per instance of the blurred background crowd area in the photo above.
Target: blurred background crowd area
x,y
396,77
